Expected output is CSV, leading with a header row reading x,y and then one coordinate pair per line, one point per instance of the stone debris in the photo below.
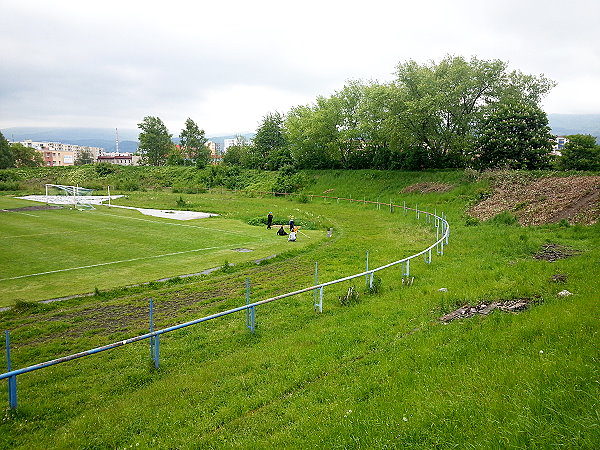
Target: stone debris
x,y
443,290
564,293
484,308
559,278
554,252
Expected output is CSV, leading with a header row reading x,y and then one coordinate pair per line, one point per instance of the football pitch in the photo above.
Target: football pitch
x,y
50,253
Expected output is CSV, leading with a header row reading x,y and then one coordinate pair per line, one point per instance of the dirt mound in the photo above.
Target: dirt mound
x,y
425,188
546,200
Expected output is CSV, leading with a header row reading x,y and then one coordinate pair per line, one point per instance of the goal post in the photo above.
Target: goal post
x,y
76,196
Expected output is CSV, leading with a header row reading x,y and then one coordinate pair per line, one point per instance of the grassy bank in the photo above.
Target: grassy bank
x,y
383,372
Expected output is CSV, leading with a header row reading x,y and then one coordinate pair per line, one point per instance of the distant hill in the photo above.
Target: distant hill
x,y
561,124
565,124
91,137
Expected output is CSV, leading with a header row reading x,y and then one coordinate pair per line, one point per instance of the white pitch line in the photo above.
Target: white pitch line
x,y
40,234
115,262
19,212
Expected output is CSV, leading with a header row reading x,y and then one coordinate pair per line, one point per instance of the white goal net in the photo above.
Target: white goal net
x,y
75,196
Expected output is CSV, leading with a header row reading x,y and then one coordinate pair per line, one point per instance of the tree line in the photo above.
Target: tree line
x,y
452,114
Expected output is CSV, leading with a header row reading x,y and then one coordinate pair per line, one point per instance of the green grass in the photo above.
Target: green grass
x,y
55,253
382,373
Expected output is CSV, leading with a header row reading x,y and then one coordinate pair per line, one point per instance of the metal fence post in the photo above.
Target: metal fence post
x,y
417,210
406,268
154,340
249,311
367,270
391,206
315,304
12,380
321,299
151,328
405,211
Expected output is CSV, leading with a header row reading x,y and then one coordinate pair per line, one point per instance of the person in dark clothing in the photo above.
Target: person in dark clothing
x,y
269,220
281,231
291,223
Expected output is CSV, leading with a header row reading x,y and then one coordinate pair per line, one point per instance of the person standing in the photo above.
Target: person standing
x,y
269,220
291,223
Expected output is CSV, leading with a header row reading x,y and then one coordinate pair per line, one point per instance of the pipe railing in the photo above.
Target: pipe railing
x,y
153,335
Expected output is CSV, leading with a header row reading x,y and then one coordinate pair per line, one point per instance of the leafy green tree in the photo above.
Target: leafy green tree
x,y
580,153
7,158
155,141
235,155
84,157
269,150
312,135
515,135
193,142
176,156
438,106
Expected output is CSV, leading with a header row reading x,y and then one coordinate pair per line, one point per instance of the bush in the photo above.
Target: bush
x,y
376,286
103,169
504,218
472,222
10,186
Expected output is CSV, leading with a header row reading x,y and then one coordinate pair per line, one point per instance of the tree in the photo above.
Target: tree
x,y
269,150
176,156
312,135
155,141
7,158
438,106
193,144
515,135
235,155
84,157
580,153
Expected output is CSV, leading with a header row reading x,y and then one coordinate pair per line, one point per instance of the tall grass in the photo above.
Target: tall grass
x,y
381,373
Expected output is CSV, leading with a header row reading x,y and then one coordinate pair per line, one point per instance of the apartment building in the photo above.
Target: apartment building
x,y
59,154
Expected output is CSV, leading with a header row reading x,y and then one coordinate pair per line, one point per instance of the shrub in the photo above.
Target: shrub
x,y
9,186
471,221
376,286
504,218
103,169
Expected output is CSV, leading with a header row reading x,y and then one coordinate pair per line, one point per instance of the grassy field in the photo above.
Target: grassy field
x,y
55,253
381,373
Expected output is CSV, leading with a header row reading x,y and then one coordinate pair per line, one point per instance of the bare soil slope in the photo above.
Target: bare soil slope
x,y
545,200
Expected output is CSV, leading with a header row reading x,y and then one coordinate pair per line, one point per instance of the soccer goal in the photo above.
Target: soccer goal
x,y
75,196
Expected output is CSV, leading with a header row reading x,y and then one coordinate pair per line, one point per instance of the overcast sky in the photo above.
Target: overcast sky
x,y
227,63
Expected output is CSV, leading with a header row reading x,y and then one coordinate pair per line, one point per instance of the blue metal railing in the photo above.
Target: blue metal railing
x,y
442,234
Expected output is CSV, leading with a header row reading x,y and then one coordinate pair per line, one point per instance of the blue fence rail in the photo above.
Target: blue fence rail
x,y
442,235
